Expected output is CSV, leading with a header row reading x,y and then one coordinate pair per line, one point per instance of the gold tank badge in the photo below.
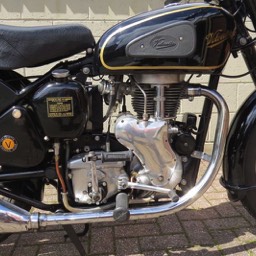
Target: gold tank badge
x,y
8,143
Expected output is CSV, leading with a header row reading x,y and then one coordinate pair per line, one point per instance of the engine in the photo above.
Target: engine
x,y
143,156
156,99
154,139
150,146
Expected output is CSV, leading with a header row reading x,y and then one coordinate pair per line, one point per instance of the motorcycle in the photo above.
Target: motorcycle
x,y
145,163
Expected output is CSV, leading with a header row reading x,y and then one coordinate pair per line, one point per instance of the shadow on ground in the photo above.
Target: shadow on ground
x,y
222,229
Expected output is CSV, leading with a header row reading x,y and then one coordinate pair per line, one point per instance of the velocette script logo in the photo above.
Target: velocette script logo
x,y
160,43
216,38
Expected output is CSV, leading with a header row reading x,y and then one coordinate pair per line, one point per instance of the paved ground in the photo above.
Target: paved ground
x,y
211,226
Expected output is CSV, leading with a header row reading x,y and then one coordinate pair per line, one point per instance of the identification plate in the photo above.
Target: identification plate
x,y
60,107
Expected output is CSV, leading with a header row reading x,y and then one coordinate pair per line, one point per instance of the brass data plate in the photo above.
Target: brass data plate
x,y
60,107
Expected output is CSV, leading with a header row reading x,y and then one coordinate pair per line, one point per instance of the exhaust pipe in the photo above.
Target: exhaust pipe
x,y
14,219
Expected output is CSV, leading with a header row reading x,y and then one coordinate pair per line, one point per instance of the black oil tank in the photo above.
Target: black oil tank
x,y
61,107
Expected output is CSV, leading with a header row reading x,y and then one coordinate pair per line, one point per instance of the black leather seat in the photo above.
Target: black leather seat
x,y
35,46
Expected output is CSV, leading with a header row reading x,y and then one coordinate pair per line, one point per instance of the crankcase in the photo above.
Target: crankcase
x,y
107,175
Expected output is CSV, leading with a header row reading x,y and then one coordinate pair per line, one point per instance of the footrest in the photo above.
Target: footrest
x,y
121,212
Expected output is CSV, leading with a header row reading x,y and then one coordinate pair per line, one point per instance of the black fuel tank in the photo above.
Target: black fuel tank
x,y
190,37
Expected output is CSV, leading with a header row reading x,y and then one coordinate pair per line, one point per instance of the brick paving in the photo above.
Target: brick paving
x,y
211,226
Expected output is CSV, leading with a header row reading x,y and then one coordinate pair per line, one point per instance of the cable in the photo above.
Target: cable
x,y
57,156
237,76
63,185
238,10
98,79
189,78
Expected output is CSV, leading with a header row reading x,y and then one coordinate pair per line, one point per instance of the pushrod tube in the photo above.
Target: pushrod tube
x,y
20,220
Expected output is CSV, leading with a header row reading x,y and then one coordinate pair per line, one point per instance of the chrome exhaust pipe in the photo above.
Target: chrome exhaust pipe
x,y
14,219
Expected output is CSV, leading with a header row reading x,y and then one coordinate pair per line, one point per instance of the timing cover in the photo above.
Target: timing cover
x,y
149,142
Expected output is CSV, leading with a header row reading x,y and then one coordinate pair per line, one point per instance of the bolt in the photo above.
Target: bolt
x,y
77,200
160,178
242,41
184,159
181,38
191,98
183,182
16,113
86,149
97,138
86,70
142,46
89,51
96,198
77,150
104,184
121,184
89,185
46,138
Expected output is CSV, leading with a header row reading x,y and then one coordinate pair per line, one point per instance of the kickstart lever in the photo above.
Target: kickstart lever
x,y
123,183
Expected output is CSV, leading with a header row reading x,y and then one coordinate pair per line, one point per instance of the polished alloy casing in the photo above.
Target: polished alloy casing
x,y
148,140
107,173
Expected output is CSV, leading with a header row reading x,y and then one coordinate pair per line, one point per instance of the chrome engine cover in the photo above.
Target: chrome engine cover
x,y
107,175
149,142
